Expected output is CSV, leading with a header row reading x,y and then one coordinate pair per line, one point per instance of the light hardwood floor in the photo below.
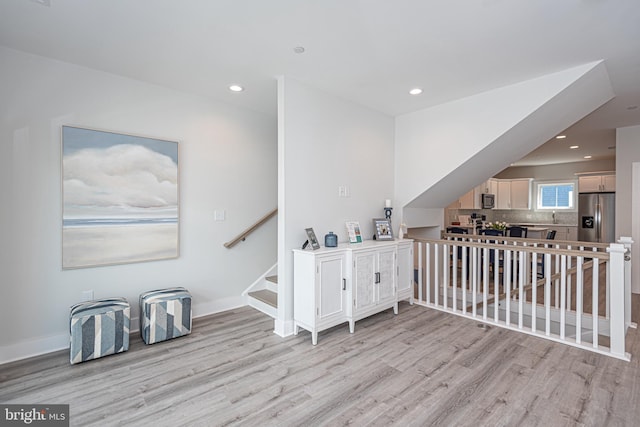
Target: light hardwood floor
x,y
421,367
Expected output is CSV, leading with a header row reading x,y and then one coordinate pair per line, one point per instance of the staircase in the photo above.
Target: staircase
x,y
265,296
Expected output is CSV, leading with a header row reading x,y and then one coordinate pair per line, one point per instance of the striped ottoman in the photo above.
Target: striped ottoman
x,y
98,328
165,314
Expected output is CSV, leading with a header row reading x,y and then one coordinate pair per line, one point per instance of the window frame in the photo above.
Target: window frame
x,y
556,182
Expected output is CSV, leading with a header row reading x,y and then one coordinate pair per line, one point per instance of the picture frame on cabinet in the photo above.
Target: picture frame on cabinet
x,y
311,237
383,229
353,229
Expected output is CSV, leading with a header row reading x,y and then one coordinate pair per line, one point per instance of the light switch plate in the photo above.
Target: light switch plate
x,y
218,215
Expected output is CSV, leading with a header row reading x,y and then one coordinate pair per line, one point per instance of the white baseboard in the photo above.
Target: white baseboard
x,y
38,346
283,328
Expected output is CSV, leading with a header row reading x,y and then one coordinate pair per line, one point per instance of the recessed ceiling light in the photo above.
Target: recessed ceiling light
x,y
298,49
573,147
236,88
587,157
415,91
561,136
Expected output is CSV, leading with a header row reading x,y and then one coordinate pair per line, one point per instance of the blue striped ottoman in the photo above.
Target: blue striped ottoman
x,y
98,328
165,314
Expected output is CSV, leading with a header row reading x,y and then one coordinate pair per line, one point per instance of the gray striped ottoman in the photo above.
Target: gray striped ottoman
x,y
98,328
165,314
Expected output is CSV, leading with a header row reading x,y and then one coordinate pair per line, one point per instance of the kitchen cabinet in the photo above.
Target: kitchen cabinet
x,y
473,198
490,186
564,232
514,194
319,291
349,282
503,197
468,201
520,194
596,183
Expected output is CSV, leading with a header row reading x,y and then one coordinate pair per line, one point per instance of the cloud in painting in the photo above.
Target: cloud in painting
x,y
121,176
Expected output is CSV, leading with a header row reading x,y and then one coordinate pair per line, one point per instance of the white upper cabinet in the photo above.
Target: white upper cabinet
x,y
596,183
514,194
503,198
520,194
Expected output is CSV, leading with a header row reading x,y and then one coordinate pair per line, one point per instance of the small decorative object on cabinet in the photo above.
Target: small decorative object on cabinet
x,y
311,238
387,209
383,229
353,229
330,240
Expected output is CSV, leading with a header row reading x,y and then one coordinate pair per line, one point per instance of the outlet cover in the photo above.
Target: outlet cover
x,y
87,295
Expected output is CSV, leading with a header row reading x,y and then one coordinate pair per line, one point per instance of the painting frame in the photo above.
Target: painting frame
x,y
120,198
382,227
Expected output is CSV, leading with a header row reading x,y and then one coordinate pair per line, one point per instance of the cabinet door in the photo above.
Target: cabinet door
x,y
364,278
466,201
589,184
572,233
520,193
504,195
561,233
330,286
609,183
386,275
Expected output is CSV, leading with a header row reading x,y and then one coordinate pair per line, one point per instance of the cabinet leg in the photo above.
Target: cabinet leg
x,y
411,300
352,326
314,337
296,329
395,308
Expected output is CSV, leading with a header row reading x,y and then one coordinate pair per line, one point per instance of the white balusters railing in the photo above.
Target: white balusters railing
x,y
577,293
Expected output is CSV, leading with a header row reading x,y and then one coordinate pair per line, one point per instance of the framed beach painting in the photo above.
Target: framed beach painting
x,y
120,198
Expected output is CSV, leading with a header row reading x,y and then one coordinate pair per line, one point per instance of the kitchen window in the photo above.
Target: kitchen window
x,y
555,195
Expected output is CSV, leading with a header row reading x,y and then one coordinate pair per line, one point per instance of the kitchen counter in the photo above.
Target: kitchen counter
x,y
540,224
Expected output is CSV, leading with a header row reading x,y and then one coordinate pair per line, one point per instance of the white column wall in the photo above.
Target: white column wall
x,y
628,194
325,142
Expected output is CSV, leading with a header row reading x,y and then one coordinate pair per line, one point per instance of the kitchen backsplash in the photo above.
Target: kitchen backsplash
x,y
515,216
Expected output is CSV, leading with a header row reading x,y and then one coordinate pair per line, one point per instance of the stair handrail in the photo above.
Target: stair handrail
x,y
242,236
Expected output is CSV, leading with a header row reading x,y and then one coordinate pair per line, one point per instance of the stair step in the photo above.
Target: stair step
x,y
266,296
272,279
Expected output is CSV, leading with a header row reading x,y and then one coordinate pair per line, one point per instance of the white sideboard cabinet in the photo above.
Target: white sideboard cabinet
x,y
349,282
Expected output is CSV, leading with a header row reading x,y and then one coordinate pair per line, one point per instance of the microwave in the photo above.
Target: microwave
x,y
488,201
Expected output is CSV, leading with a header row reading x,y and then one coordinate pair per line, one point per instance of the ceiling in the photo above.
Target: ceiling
x,y
368,51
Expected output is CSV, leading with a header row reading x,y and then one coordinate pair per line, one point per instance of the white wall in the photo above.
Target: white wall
x,y
325,142
628,194
228,161
443,151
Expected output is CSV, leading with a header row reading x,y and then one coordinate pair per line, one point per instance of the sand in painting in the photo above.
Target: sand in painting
x,y
86,246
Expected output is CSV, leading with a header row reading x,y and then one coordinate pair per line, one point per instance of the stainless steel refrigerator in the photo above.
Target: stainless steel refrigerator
x,y
596,217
